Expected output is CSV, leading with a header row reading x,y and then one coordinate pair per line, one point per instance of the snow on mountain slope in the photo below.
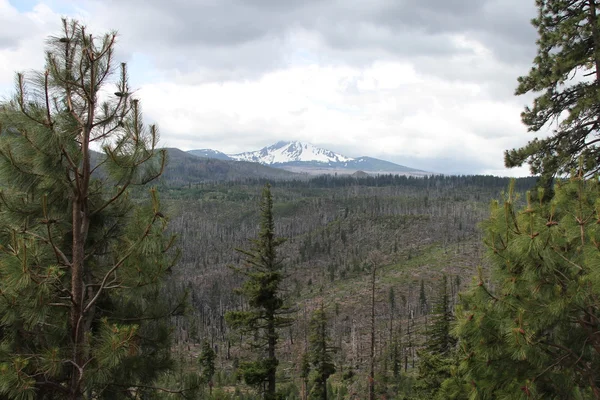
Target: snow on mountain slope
x,y
285,152
305,158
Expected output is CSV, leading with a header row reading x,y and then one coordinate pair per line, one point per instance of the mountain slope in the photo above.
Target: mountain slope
x,y
210,153
304,157
186,168
376,165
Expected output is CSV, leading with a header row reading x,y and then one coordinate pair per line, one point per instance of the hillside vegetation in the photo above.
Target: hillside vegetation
x,y
417,229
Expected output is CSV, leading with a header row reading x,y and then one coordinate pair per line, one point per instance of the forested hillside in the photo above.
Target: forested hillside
x,y
414,231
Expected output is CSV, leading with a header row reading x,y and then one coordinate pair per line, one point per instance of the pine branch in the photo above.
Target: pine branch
x,y
118,264
59,253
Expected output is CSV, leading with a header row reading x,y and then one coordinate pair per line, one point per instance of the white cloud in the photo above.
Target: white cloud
x,y
22,39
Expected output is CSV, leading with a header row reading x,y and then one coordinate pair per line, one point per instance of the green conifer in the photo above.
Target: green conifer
x,y
565,77
206,361
267,313
438,358
320,355
534,330
439,339
81,262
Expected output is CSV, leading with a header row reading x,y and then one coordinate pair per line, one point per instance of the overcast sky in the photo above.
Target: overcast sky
x,y
424,83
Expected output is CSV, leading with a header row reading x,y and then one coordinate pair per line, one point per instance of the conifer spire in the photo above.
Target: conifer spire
x,y
262,289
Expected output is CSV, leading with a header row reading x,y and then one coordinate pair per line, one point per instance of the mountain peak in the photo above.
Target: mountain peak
x,y
305,157
291,151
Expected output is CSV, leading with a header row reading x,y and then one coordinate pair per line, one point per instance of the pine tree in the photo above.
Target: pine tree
x,y
440,340
206,361
267,313
438,357
566,71
533,332
81,262
320,355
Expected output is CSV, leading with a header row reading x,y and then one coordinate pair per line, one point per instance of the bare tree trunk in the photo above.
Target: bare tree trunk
x,y
372,371
305,379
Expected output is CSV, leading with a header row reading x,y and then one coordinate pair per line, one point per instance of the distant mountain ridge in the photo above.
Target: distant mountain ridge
x,y
304,157
286,152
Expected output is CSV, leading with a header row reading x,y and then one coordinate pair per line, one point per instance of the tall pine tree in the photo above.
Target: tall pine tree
x,y
267,312
566,71
81,262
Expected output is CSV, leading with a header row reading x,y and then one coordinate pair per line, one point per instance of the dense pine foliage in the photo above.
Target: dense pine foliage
x,y
534,332
81,263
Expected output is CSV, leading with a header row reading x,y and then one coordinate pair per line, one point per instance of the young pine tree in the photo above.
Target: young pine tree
x,y
206,361
440,339
267,312
438,359
320,356
534,331
81,262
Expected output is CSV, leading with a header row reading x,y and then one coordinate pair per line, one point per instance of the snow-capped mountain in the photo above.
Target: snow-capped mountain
x,y
285,152
304,157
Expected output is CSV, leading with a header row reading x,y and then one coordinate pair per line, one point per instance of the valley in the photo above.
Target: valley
x,y
412,230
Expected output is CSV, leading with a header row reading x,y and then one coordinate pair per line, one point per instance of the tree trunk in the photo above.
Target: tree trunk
x,y
82,175
372,371
80,230
77,299
271,350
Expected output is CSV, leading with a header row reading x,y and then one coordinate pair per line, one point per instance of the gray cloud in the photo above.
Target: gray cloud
x,y
496,23
250,37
